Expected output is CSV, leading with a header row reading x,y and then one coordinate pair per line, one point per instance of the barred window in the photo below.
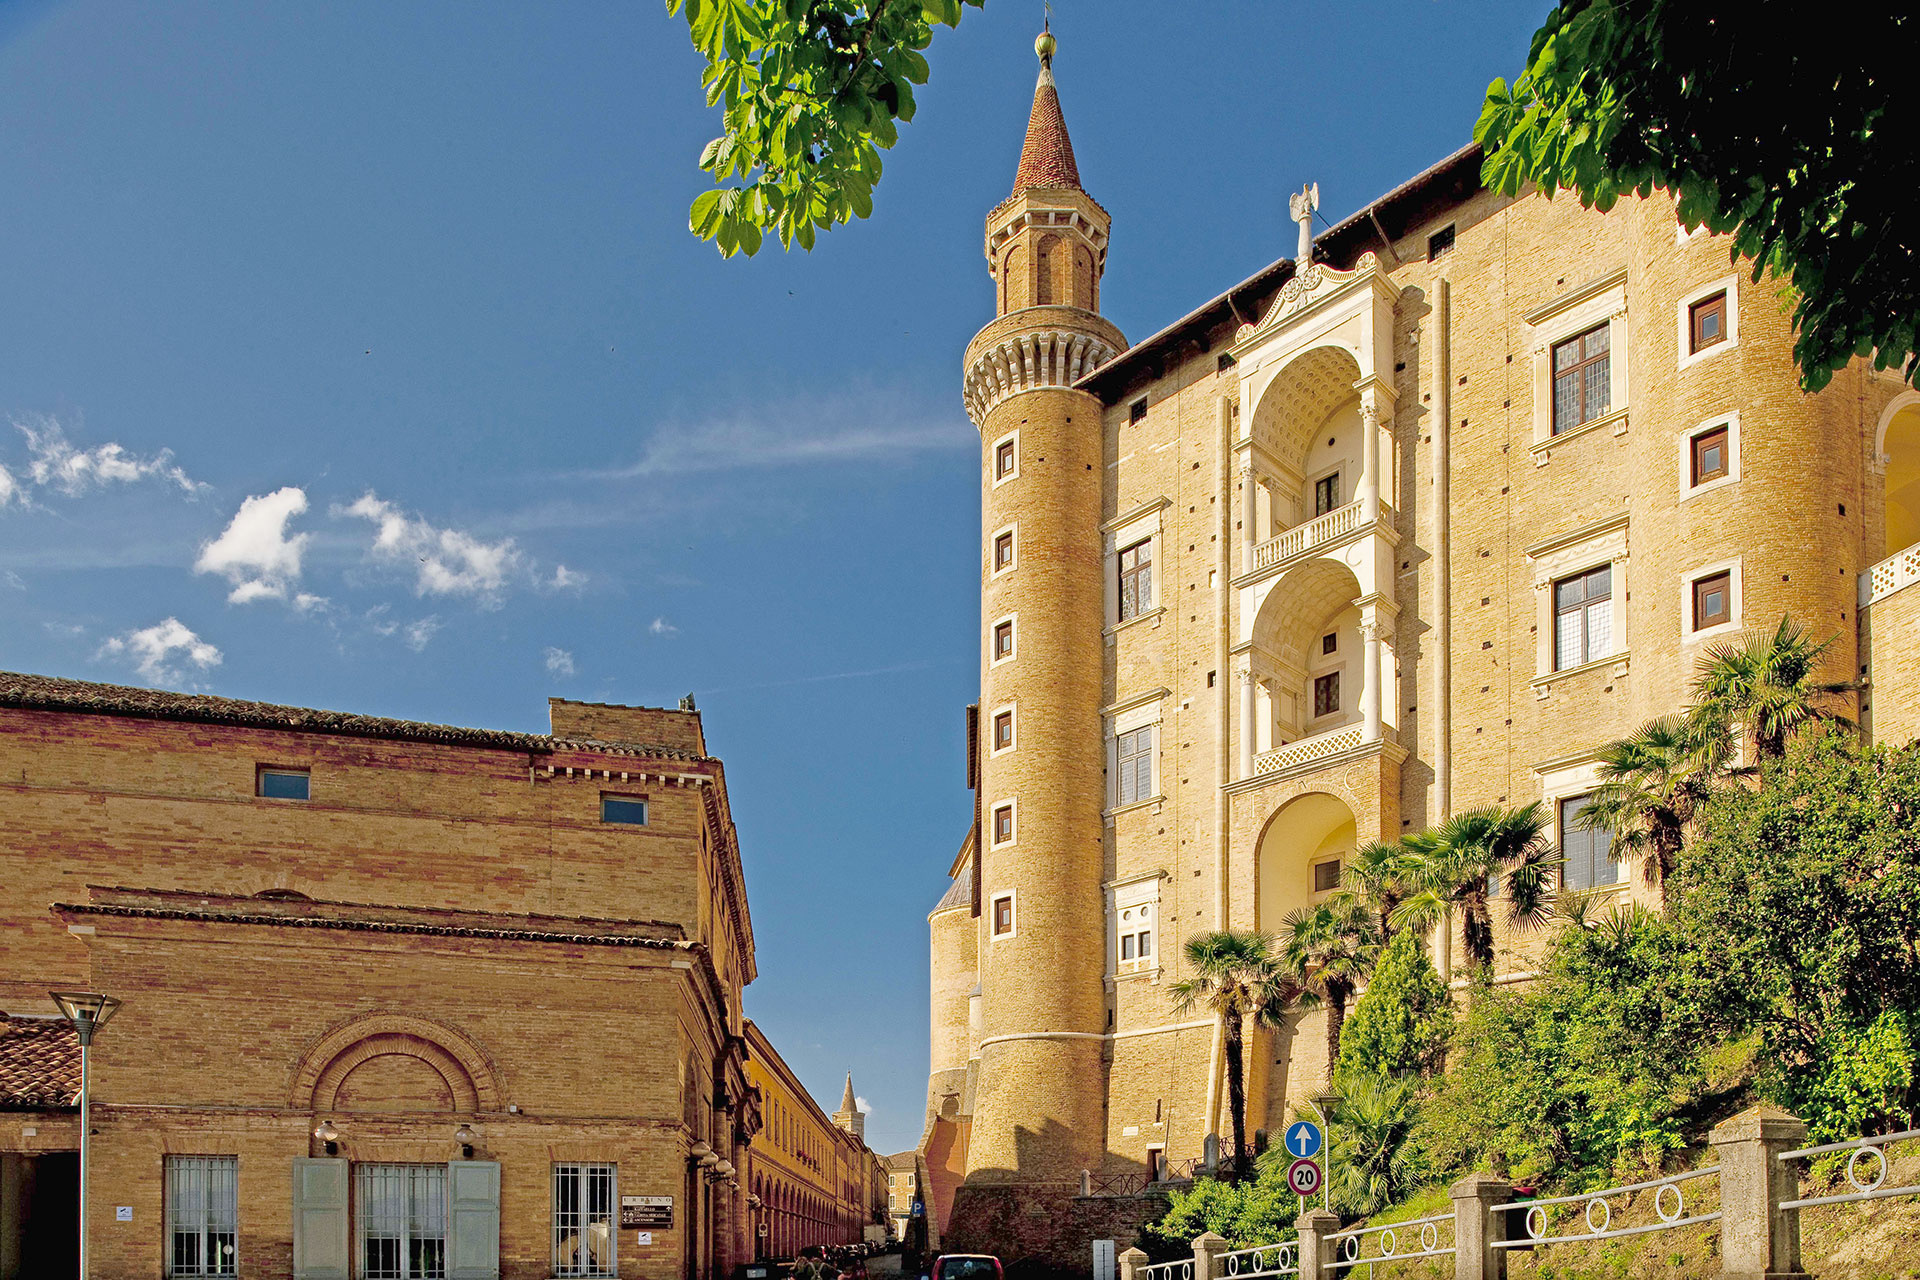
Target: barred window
x,y
1583,618
1587,852
1135,765
583,1224
203,1212
1582,379
1136,580
400,1220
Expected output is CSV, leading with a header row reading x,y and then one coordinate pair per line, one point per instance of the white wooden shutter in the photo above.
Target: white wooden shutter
x,y
1103,1260
473,1220
320,1227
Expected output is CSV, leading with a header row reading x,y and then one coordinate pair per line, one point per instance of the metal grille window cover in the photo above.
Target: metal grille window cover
x,y
400,1221
584,1232
1136,579
1582,379
1135,751
1596,1215
203,1213
1583,618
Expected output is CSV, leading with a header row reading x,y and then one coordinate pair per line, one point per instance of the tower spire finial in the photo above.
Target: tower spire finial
x,y
1046,157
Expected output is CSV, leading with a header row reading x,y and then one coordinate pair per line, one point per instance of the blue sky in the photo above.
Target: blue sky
x,y
357,356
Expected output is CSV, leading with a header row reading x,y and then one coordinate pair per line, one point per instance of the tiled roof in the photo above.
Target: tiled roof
x,y
1046,158
53,693
39,1064
959,893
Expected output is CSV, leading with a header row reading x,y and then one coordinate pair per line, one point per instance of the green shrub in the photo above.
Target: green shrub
x,y
1401,1022
1258,1211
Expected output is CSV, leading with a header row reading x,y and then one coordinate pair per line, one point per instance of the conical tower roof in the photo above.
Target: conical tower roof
x,y
847,1104
1046,158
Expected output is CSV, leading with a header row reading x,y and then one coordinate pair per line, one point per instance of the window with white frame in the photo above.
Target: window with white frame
x,y
1130,543
1003,823
1710,600
1133,910
203,1215
1134,757
1586,852
1136,937
1579,347
1136,579
400,1221
1006,458
1583,618
583,1220
1003,731
1002,915
1710,456
1707,321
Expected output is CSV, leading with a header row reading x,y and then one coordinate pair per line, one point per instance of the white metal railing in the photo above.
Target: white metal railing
x,y
1266,1260
1306,750
1350,1246
1901,569
1867,1190
1181,1270
1538,1221
1303,538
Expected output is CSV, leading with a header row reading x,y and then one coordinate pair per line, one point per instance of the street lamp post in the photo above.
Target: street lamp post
x,y
1322,1103
88,1012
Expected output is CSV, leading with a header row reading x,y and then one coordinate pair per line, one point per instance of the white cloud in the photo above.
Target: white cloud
x,y
13,580
661,627
307,602
446,561
255,553
564,578
9,488
55,462
862,1105
159,650
417,634
559,661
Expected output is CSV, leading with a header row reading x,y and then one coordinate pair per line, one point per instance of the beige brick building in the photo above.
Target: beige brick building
x,y
811,1178
399,998
1411,521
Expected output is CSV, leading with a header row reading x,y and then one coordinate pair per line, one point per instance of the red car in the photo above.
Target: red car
x,y
967,1266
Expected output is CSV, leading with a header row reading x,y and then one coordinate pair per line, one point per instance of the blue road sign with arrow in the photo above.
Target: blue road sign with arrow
x,y
1303,1140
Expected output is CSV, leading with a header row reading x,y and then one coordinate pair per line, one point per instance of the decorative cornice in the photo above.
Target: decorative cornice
x,y
1030,362
1304,291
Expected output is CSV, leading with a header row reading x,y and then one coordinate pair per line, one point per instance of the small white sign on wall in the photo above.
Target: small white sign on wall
x,y
123,1213
646,1237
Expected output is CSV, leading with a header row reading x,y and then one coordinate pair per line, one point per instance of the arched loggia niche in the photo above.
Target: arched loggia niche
x,y
1900,455
1301,852
1306,438
1307,658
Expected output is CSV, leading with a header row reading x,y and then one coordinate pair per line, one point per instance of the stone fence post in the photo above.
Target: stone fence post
x,y
1131,1260
1207,1249
1316,1251
1477,1228
1757,1238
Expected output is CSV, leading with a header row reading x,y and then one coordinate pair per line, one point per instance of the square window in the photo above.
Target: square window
x,y
1003,459
1003,916
1707,322
1003,551
1002,640
1330,642
630,811
583,1220
1133,753
1326,694
1713,600
203,1214
1003,731
1710,455
1003,824
1136,579
1582,379
1326,876
1583,618
1440,243
283,784
1137,411
1326,494
1586,852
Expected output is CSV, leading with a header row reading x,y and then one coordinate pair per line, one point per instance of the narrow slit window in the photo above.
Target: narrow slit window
x,y
1003,640
1003,915
1003,459
1003,824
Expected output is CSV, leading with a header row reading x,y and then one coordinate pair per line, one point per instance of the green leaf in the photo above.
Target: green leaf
x,y
704,214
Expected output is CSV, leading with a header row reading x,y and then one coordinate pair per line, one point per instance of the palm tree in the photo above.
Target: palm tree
x,y
1234,973
1451,868
1376,879
1653,781
1329,950
1767,680
1372,1159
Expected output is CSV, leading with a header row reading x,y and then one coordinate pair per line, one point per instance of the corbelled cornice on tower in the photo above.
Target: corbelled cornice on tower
x,y
1046,157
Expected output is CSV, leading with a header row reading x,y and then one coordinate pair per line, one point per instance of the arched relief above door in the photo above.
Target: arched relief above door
x,y
382,1061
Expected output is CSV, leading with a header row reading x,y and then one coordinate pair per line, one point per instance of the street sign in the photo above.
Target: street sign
x,y
1303,1177
646,1211
1303,1140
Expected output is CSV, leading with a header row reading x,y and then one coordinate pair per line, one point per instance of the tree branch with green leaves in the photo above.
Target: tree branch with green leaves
x,y
811,92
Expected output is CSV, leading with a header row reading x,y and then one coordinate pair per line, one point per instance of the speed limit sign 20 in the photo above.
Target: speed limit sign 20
x,y
1303,1177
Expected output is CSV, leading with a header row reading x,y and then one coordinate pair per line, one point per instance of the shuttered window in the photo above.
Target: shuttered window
x,y
1135,764
1587,851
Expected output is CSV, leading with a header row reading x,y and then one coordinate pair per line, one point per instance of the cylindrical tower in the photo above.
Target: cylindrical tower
x,y
1039,1109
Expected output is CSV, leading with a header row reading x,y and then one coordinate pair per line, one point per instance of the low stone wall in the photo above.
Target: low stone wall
x,y
1039,1233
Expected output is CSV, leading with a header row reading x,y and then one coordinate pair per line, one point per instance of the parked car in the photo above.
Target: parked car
x,y
967,1266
